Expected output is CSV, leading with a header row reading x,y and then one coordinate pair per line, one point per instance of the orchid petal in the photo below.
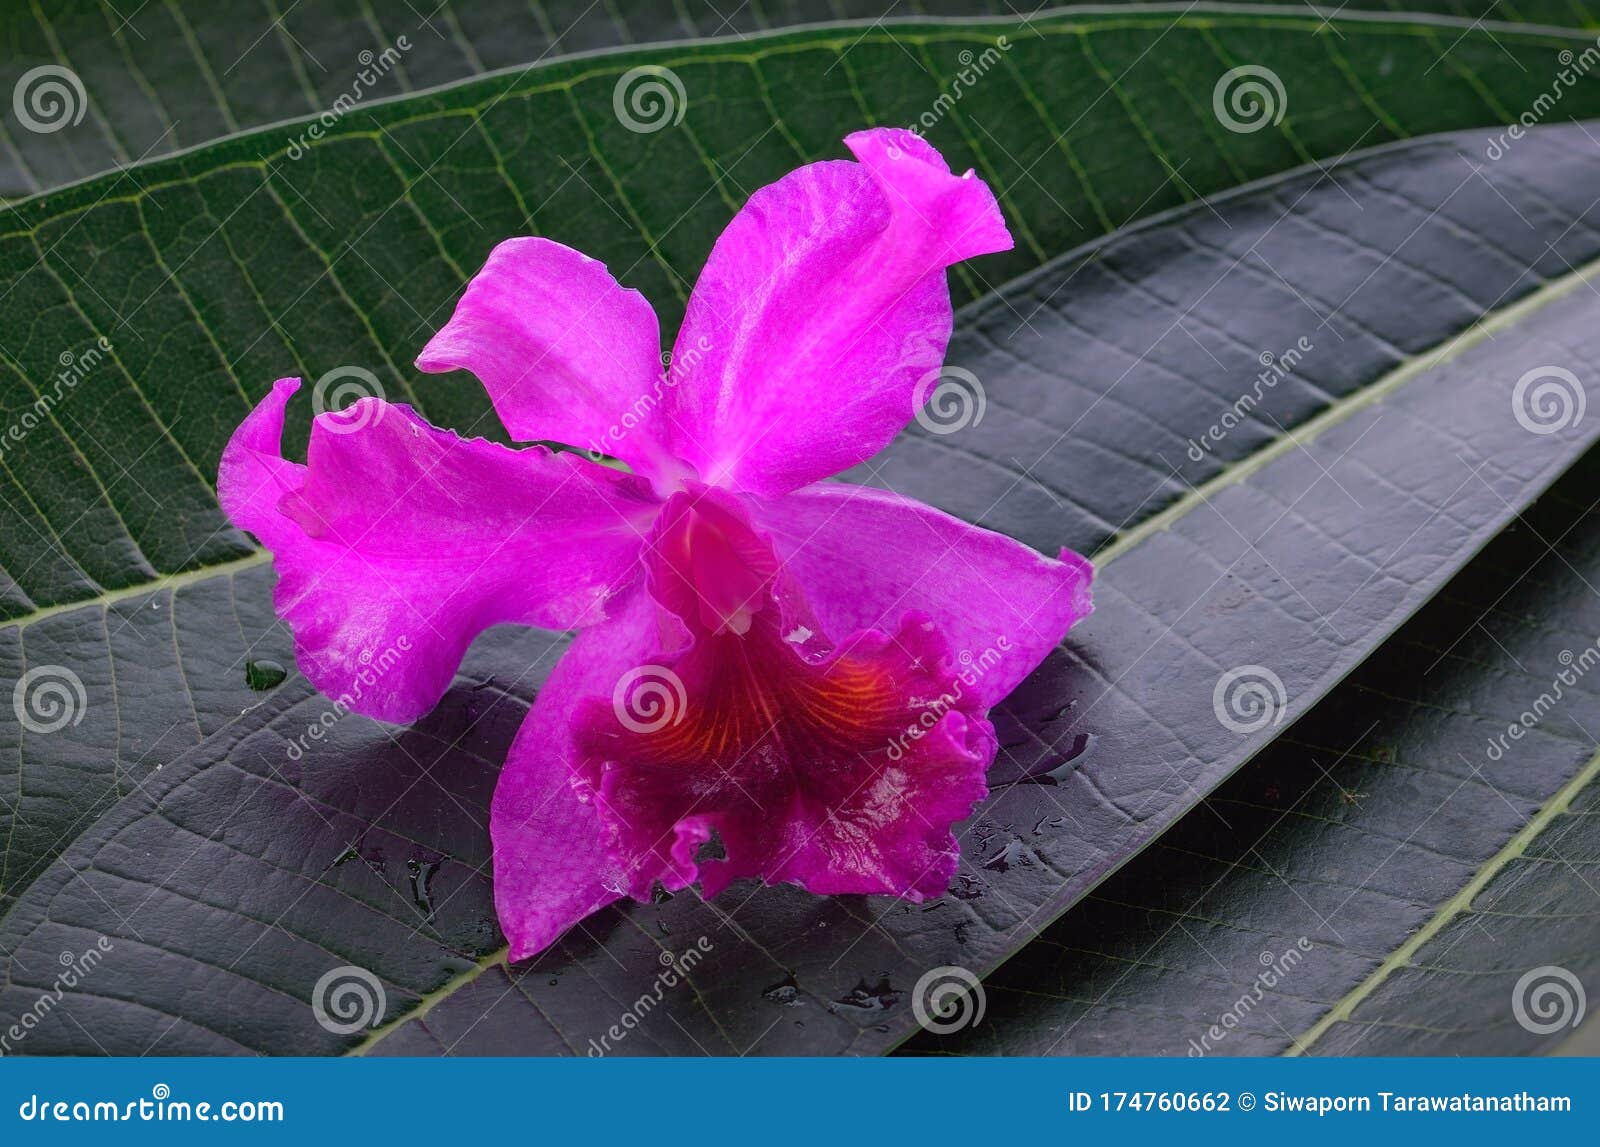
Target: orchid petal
x,y
822,314
398,543
865,556
566,353
551,866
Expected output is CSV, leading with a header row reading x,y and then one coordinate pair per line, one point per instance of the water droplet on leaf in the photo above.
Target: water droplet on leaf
x,y
874,998
785,992
262,675
966,887
422,873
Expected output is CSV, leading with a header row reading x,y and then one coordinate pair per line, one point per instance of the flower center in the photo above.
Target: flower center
x,y
708,566
837,767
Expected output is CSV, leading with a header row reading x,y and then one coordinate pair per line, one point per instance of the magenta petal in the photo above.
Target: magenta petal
x,y
840,769
398,543
551,866
566,353
865,556
821,309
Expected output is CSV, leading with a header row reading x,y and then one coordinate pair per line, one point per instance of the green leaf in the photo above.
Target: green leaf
x,y
238,844
160,77
214,273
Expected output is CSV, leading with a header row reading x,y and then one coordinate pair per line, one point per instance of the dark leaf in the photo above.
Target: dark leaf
x,y
1416,863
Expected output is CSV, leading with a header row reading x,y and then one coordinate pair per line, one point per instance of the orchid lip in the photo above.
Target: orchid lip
x,y
837,767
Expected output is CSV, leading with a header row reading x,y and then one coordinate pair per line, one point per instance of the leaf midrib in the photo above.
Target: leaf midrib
x,y
1455,906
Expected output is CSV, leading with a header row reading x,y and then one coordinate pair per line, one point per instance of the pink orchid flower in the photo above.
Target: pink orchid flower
x,y
780,661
